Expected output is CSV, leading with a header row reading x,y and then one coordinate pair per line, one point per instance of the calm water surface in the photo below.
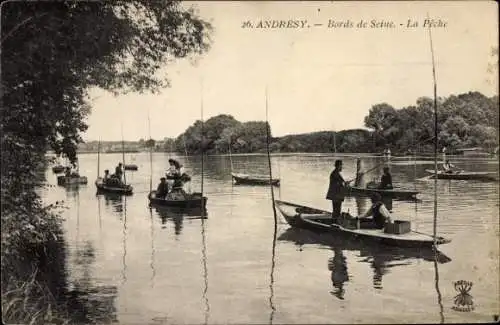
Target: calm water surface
x,y
154,266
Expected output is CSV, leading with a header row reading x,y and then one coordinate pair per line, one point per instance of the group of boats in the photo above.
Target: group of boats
x,y
296,215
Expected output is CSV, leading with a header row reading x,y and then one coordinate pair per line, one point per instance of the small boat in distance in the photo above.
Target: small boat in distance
x,y
132,167
188,200
71,180
462,175
300,216
125,189
58,169
245,179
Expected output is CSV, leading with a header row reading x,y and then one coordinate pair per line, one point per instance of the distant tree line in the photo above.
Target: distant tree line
x,y
469,119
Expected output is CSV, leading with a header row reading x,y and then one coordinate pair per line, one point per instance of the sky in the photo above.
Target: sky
x,y
317,78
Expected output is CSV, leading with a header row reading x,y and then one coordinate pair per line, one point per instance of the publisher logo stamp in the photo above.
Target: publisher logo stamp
x,y
463,300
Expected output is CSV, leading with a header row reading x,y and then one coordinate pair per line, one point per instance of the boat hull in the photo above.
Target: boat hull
x,y
462,175
64,180
191,201
240,179
394,193
58,169
104,188
131,167
323,223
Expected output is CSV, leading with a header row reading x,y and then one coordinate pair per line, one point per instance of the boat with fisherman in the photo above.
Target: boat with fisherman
x,y
462,175
397,234
372,187
386,190
112,183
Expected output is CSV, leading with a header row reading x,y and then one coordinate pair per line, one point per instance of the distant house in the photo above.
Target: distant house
x,y
476,151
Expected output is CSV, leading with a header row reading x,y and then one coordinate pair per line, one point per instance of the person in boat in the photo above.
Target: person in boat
x,y
105,179
386,180
448,167
119,171
378,213
162,189
336,191
67,172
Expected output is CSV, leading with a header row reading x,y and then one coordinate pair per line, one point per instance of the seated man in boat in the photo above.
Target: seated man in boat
x,y
162,189
448,167
378,213
106,177
386,180
67,172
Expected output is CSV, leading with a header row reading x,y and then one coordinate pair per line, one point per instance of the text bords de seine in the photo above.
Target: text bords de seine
x,y
332,23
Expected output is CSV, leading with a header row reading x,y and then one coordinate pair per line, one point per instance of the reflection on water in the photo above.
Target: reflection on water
x,y
216,270
381,258
338,266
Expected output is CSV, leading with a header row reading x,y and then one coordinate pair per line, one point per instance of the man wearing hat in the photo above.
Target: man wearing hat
x,y
162,190
336,191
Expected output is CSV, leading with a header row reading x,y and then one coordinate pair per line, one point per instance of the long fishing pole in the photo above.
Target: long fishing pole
x,y
150,154
435,137
123,158
99,159
269,162
275,230
436,273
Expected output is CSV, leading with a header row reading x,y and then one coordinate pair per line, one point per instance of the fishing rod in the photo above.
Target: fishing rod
x,y
436,273
275,230
150,153
123,157
435,137
270,168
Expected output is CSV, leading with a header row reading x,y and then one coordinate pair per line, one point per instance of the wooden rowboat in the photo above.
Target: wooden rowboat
x,y
462,175
394,193
187,200
319,220
254,179
124,189
131,167
71,180
58,169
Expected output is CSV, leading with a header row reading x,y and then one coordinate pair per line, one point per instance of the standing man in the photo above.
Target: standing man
x,y
336,191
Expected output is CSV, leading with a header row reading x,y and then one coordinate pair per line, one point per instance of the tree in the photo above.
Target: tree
x,y
52,54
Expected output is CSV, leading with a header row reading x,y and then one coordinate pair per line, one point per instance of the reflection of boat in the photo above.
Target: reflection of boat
x,y
380,258
131,167
462,175
115,188
183,200
177,215
395,193
71,180
319,220
254,179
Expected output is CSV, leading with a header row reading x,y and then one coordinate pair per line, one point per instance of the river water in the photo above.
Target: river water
x,y
137,265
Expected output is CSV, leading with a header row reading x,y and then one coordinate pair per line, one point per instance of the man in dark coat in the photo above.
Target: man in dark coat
x,y
386,180
336,191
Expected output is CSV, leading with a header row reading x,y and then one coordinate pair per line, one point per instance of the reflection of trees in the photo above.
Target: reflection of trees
x,y
381,257
52,295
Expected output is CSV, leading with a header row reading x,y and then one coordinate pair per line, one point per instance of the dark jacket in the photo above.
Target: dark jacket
x,y
378,218
337,187
162,190
386,182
